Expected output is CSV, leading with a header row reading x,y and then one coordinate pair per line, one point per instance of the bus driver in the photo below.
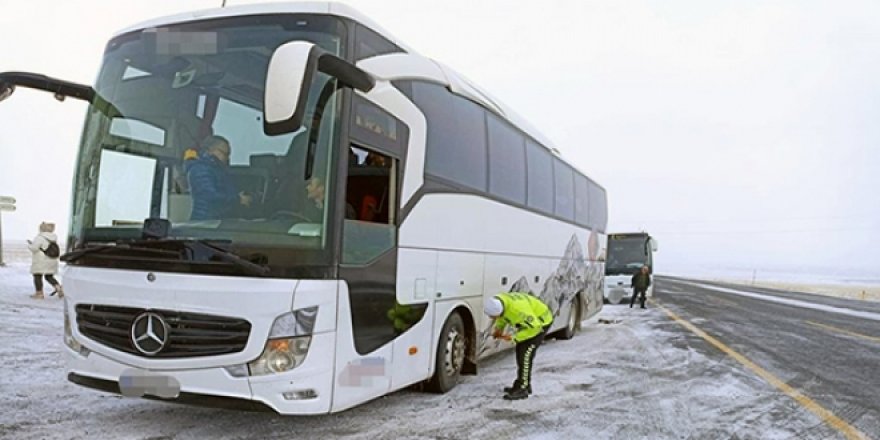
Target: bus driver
x,y
213,189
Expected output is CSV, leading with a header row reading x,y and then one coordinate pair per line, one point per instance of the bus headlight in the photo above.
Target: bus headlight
x,y
281,355
288,343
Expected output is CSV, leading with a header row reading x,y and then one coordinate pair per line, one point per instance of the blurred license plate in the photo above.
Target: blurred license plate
x,y
137,383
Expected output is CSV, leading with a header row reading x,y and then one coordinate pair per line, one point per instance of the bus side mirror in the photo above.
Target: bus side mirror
x,y
59,88
291,72
653,245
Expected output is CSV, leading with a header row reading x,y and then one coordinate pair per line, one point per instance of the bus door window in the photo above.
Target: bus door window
x,y
370,198
369,186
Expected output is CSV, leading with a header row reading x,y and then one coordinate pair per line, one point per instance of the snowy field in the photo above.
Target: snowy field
x,y
826,276
638,377
852,283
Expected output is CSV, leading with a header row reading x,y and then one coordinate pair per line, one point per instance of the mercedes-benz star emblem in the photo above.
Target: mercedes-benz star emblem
x,y
149,333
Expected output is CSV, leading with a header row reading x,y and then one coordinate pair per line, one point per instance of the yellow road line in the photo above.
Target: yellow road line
x,y
827,416
846,332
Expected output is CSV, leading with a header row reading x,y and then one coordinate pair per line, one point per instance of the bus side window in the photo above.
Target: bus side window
x,y
368,189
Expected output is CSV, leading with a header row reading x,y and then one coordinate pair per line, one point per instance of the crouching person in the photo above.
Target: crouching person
x,y
530,318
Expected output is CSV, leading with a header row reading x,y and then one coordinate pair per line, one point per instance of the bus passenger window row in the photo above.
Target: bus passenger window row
x,y
480,152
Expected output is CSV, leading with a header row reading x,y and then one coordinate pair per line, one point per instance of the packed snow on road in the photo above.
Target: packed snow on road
x,y
629,374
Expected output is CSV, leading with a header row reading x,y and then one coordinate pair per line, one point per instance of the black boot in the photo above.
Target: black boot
x,y
517,394
508,390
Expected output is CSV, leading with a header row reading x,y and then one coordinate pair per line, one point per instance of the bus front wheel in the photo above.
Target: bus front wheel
x,y
450,355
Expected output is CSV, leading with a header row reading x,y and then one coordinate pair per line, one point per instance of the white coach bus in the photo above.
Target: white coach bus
x,y
282,205
626,254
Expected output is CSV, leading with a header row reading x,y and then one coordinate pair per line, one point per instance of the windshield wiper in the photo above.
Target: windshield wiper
x,y
231,257
77,254
194,246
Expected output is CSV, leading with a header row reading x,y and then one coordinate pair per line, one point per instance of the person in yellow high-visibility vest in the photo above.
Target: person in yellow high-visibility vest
x,y
530,319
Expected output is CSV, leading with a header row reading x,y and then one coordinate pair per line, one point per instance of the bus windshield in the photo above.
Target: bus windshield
x,y
626,255
176,133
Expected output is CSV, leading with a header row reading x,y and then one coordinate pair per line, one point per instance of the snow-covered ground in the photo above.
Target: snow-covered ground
x,y
639,376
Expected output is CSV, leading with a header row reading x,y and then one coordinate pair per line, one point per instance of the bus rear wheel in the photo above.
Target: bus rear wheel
x,y
450,355
573,315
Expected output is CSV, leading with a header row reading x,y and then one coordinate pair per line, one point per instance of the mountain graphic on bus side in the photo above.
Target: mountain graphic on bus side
x,y
574,276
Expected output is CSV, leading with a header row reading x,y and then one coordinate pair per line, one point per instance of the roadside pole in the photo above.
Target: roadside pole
x,y
6,204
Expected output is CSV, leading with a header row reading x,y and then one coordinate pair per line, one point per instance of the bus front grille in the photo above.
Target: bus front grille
x,y
188,334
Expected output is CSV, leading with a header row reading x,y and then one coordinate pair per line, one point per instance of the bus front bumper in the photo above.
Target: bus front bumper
x,y
306,389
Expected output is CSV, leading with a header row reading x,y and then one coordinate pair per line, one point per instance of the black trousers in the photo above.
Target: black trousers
x,y
38,281
525,357
636,293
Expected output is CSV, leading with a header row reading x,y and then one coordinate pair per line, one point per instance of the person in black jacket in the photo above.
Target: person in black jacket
x,y
640,282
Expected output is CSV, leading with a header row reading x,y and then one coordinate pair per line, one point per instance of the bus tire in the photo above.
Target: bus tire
x,y
451,351
574,312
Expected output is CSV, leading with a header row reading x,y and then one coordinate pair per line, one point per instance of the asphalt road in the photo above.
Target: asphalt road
x,y
830,353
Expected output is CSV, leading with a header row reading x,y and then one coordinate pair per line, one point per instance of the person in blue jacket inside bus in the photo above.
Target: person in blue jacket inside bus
x,y
213,189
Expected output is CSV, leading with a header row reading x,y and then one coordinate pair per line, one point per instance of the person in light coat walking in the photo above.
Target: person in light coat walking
x,y
43,265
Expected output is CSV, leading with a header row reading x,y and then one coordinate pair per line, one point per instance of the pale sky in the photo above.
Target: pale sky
x,y
739,133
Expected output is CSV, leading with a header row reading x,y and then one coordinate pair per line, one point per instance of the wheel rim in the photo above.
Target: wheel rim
x,y
454,352
572,317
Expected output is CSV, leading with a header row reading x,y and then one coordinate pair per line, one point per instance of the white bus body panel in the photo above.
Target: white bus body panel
x,y
460,274
474,235
465,222
358,378
416,275
363,377
403,66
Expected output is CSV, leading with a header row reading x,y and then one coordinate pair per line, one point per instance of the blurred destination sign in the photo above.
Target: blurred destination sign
x,y
628,235
7,200
7,207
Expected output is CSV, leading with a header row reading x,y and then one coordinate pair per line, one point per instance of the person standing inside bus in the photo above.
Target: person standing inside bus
x,y
530,318
641,280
